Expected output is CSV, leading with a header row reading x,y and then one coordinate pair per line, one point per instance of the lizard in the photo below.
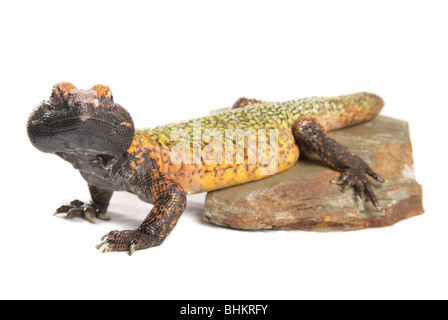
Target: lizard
x,y
97,136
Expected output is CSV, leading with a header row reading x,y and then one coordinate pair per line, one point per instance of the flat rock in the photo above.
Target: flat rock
x,y
302,197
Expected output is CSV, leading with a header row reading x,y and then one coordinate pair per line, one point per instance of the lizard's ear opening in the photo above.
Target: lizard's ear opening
x,y
103,91
60,91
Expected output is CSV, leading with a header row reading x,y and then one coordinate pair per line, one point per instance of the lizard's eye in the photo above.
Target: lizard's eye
x,y
60,91
103,91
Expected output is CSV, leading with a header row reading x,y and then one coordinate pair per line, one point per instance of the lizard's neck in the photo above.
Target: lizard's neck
x,y
100,170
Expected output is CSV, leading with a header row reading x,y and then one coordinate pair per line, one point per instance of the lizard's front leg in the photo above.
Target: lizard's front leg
x,y
97,208
310,133
169,203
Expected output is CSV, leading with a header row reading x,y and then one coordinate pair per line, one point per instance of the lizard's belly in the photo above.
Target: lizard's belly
x,y
220,169
225,150
219,176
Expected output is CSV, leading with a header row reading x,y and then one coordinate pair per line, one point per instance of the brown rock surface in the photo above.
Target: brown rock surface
x,y
303,197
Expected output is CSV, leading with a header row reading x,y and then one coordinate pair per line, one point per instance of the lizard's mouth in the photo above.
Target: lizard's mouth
x,y
72,130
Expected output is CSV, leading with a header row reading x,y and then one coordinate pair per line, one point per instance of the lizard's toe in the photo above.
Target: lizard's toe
x,y
79,209
357,177
127,240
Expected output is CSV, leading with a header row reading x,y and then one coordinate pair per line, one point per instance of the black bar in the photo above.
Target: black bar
x,y
225,309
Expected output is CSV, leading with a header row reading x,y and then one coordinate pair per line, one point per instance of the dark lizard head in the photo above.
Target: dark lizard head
x,y
81,121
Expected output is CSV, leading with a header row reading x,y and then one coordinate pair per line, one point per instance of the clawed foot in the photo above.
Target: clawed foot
x,y
357,177
79,209
127,240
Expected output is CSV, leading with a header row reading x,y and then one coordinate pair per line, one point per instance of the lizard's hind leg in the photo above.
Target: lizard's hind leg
x,y
310,133
243,102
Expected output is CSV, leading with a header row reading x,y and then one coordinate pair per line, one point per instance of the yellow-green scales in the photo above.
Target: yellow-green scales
x,y
201,174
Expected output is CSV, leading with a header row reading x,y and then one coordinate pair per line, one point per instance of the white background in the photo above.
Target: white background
x,y
174,60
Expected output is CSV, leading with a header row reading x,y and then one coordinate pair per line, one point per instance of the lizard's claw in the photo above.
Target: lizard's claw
x,y
357,177
79,209
127,240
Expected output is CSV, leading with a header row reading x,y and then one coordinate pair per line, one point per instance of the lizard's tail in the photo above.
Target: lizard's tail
x,y
348,110
337,112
